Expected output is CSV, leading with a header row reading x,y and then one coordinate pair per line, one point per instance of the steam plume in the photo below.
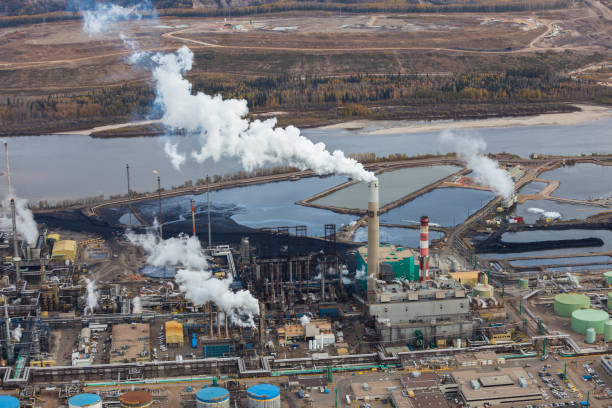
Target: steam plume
x,y
100,19
304,320
196,281
16,333
546,214
26,226
219,128
470,150
92,295
136,305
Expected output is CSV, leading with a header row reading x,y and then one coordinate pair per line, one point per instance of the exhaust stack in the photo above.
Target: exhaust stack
x,y
373,240
424,250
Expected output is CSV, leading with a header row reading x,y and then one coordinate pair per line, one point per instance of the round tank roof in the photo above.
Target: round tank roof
x,y
263,392
136,397
82,400
590,315
572,298
6,401
212,394
608,274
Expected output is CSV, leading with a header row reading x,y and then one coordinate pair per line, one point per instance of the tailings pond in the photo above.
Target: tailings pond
x,y
531,210
405,237
393,185
582,181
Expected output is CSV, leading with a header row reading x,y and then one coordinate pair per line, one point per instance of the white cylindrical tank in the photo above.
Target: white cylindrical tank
x,y
85,401
263,396
213,397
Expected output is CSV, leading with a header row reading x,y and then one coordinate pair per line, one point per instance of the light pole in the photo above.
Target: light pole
x,y
159,220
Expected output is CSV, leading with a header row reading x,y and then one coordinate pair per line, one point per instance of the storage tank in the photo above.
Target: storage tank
x,y
583,319
591,335
567,303
136,399
608,330
6,401
85,401
608,276
216,397
524,283
609,300
483,290
263,396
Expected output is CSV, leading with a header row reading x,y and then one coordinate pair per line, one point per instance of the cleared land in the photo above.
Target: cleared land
x,y
58,61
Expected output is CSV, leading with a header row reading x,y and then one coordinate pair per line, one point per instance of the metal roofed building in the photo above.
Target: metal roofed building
x,y
504,385
420,312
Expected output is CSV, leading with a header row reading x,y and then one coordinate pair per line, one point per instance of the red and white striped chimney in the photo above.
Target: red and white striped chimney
x,y
424,249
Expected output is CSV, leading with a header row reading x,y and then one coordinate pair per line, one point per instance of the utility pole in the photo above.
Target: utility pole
x,y
127,169
208,199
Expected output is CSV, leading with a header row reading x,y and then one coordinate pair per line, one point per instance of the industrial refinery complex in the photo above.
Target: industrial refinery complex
x,y
277,318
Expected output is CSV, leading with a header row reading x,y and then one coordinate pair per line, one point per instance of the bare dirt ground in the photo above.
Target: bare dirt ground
x,y
52,57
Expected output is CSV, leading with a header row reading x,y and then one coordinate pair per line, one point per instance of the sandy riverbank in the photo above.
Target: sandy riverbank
x,y
588,113
88,132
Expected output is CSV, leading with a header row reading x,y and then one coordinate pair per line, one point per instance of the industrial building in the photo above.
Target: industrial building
x,y
174,334
504,385
64,250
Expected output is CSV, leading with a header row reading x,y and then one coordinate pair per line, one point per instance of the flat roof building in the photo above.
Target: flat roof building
x,y
504,385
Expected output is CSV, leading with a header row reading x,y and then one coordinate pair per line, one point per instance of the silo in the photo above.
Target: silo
x,y
213,397
608,276
583,319
85,401
524,283
567,303
6,401
608,330
263,396
483,290
136,399
591,335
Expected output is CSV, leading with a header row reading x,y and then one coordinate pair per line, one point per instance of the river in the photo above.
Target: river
x,y
58,167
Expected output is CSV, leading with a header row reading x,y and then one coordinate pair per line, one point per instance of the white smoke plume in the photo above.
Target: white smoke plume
x,y
100,19
196,281
304,320
346,280
546,214
486,171
92,296
220,128
16,333
136,305
26,226
360,274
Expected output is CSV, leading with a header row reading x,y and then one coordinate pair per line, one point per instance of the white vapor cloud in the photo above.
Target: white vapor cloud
x,y
220,128
486,171
136,305
196,281
544,213
26,225
100,19
92,296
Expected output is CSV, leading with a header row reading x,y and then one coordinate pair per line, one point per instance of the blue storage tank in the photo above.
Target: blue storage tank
x,y
6,401
263,396
85,401
194,340
210,397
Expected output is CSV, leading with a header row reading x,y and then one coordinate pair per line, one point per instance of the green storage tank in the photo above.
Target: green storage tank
x,y
608,276
591,335
567,303
608,330
582,319
524,284
609,300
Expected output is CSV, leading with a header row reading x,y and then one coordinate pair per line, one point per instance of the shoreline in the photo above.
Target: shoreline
x,y
588,113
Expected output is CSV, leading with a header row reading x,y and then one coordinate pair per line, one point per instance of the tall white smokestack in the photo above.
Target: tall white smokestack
x,y
424,249
373,240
